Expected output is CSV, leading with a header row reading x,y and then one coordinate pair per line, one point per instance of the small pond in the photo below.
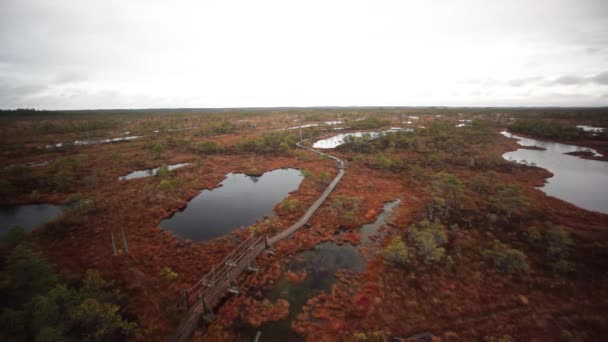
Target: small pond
x,y
590,128
320,265
94,142
238,202
580,181
337,140
27,216
150,172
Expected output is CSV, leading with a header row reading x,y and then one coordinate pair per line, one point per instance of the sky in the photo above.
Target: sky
x,y
86,54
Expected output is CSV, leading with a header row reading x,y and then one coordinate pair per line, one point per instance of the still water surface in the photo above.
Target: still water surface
x,y
238,202
320,265
150,172
582,182
27,216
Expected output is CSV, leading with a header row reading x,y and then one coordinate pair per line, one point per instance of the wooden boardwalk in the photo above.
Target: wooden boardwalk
x,y
206,294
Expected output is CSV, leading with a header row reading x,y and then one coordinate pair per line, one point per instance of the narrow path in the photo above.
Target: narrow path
x,y
206,294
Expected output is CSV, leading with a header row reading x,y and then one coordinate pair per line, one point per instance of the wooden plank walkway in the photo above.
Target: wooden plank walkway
x,y
206,294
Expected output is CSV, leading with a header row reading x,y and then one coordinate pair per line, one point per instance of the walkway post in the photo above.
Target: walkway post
x,y
113,242
185,299
124,238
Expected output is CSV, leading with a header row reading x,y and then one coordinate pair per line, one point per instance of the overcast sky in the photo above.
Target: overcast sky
x,y
242,53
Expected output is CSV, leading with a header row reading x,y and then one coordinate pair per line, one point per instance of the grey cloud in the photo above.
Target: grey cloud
x,y
570,80
601,78
523,81
10,87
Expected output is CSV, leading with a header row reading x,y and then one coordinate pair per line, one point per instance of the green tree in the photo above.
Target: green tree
x,y
28,273
427,237
509,260
397,252
447,194
163,171
208,147
558,245
509,201
485,183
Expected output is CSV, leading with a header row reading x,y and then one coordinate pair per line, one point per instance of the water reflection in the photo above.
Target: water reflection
x,y
238,202
582,182
337,140
150,172
27,216
320,265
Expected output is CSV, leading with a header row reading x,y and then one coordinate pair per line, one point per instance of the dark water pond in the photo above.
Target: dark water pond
x,y
320,265
150,172
27,216
238,202
580,181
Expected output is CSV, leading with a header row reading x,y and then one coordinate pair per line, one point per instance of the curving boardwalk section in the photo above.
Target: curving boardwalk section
x,y
207,293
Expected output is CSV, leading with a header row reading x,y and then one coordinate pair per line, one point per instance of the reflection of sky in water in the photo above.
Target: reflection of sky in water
x,y
590,128
150,172
579,181
338,140
320,265
26,216
550,146
240,201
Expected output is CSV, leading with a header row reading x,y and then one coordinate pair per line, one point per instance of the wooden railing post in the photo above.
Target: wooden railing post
x,y
231,287
252,267
185,299
113,243
124,239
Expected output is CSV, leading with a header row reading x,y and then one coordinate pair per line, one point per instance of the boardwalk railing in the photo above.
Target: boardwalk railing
x,y
207,293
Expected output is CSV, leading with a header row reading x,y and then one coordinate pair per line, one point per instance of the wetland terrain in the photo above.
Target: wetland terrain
x,y
457,223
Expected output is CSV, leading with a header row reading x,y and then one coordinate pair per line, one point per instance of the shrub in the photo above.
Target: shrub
x,y
485,183
167,273
208,147
507,260
427,238
448,193
558,244
532,235
53,311
397,252
546,129
387,163
28,273
347,208
163,171
290,205
14,236
509,201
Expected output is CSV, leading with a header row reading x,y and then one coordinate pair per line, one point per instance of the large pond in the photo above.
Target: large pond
x,y
238,202
27,216
580,181
320,265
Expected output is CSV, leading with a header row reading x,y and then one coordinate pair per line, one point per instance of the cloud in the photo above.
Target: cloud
x,y
569,80
140,53
523,81
601,78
